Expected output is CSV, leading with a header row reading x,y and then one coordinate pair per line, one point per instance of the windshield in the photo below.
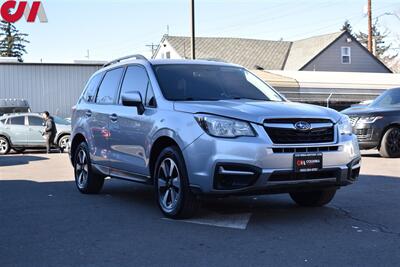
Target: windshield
x,y
190,82
61,121
390,98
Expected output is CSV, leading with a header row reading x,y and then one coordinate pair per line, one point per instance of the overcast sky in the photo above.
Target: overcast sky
x,y
110,29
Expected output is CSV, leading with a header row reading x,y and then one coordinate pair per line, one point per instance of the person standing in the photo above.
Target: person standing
x,y
50,130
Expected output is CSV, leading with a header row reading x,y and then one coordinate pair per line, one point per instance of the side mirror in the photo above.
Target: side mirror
x,y
133,99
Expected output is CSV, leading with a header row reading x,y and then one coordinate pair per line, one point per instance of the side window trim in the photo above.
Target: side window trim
x,y
118,88
147,88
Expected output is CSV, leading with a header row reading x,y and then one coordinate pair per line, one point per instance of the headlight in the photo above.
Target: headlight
x,y
224,127
344,125
371,119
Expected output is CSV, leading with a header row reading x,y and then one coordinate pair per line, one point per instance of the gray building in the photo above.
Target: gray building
x,y
338,51
52,87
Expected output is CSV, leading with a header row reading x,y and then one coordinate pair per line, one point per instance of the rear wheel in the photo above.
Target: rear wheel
x,y
172,186
313,198
390,146
87,181
4,146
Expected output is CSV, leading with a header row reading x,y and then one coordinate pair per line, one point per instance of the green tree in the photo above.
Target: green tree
x,y
347,27
379,37
12,42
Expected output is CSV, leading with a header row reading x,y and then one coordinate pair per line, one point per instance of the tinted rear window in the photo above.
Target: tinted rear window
x,y
109,87
17,120
91,88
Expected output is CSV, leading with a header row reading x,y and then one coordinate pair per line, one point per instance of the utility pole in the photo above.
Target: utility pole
x,y
193,39
370,46
153,48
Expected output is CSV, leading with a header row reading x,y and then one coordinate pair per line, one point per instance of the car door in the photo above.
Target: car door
x,y
100,113
18,130
36,127
129,130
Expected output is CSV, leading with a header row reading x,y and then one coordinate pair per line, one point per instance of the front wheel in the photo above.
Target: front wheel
x,y
173,194
87,181
390,146
4,146
313,198
63,143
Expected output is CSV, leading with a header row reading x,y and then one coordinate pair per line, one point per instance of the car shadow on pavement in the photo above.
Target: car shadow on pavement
x,y
13,160
135,201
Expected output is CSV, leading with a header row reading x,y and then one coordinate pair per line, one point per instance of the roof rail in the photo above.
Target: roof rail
x,y
115,61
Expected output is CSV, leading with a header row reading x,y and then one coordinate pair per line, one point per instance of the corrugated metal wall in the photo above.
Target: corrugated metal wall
x,y
52,87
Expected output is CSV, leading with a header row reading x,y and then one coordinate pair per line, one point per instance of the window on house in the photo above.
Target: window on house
x,y
346,55
168,55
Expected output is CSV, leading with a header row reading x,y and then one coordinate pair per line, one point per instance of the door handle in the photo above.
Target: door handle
x,y
113,117
88,113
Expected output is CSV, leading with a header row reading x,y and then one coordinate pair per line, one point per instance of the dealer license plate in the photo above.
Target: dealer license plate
x,y
307,162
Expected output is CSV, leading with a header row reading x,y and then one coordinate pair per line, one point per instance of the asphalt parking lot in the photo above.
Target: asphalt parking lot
x,y
44,221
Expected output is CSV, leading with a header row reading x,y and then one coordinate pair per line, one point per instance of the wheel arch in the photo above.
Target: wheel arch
x,y
78,138
6,136
159,145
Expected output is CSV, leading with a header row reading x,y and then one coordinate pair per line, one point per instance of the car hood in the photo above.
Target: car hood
x,y
368,111
257,111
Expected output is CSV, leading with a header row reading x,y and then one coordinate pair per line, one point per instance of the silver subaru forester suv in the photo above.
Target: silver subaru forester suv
x,y
204,128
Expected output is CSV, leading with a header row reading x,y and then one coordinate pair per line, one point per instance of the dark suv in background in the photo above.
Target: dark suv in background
x,y
378,124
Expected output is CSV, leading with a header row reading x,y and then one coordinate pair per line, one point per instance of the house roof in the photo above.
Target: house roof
x,y
303,51
245,52
253,53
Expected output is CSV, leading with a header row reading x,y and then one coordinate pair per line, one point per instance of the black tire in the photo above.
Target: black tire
x,y
390,145
19,150
4,146
173,194
90,182
63,143
313,198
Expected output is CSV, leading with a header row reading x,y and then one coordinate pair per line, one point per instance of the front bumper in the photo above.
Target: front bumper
x,y
271,165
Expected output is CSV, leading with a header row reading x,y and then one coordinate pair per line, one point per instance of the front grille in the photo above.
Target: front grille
x,y
363,134
305,149
283,176
290,135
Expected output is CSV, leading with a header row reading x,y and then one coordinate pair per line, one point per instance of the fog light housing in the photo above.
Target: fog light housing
x,y
230,176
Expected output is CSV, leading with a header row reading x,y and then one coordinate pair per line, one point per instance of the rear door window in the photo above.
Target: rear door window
x,y
17,120
109,87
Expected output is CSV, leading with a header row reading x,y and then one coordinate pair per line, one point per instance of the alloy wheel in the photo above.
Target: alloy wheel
x,y
393,142
169,184
3,146
63,144
81,169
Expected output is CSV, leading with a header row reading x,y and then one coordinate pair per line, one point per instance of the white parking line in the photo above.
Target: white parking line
x,y
234,221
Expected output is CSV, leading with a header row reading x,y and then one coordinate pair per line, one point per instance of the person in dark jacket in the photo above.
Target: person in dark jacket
x,y
50,130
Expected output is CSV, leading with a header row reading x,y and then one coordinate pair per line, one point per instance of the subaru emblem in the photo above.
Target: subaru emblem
x,y
302,126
